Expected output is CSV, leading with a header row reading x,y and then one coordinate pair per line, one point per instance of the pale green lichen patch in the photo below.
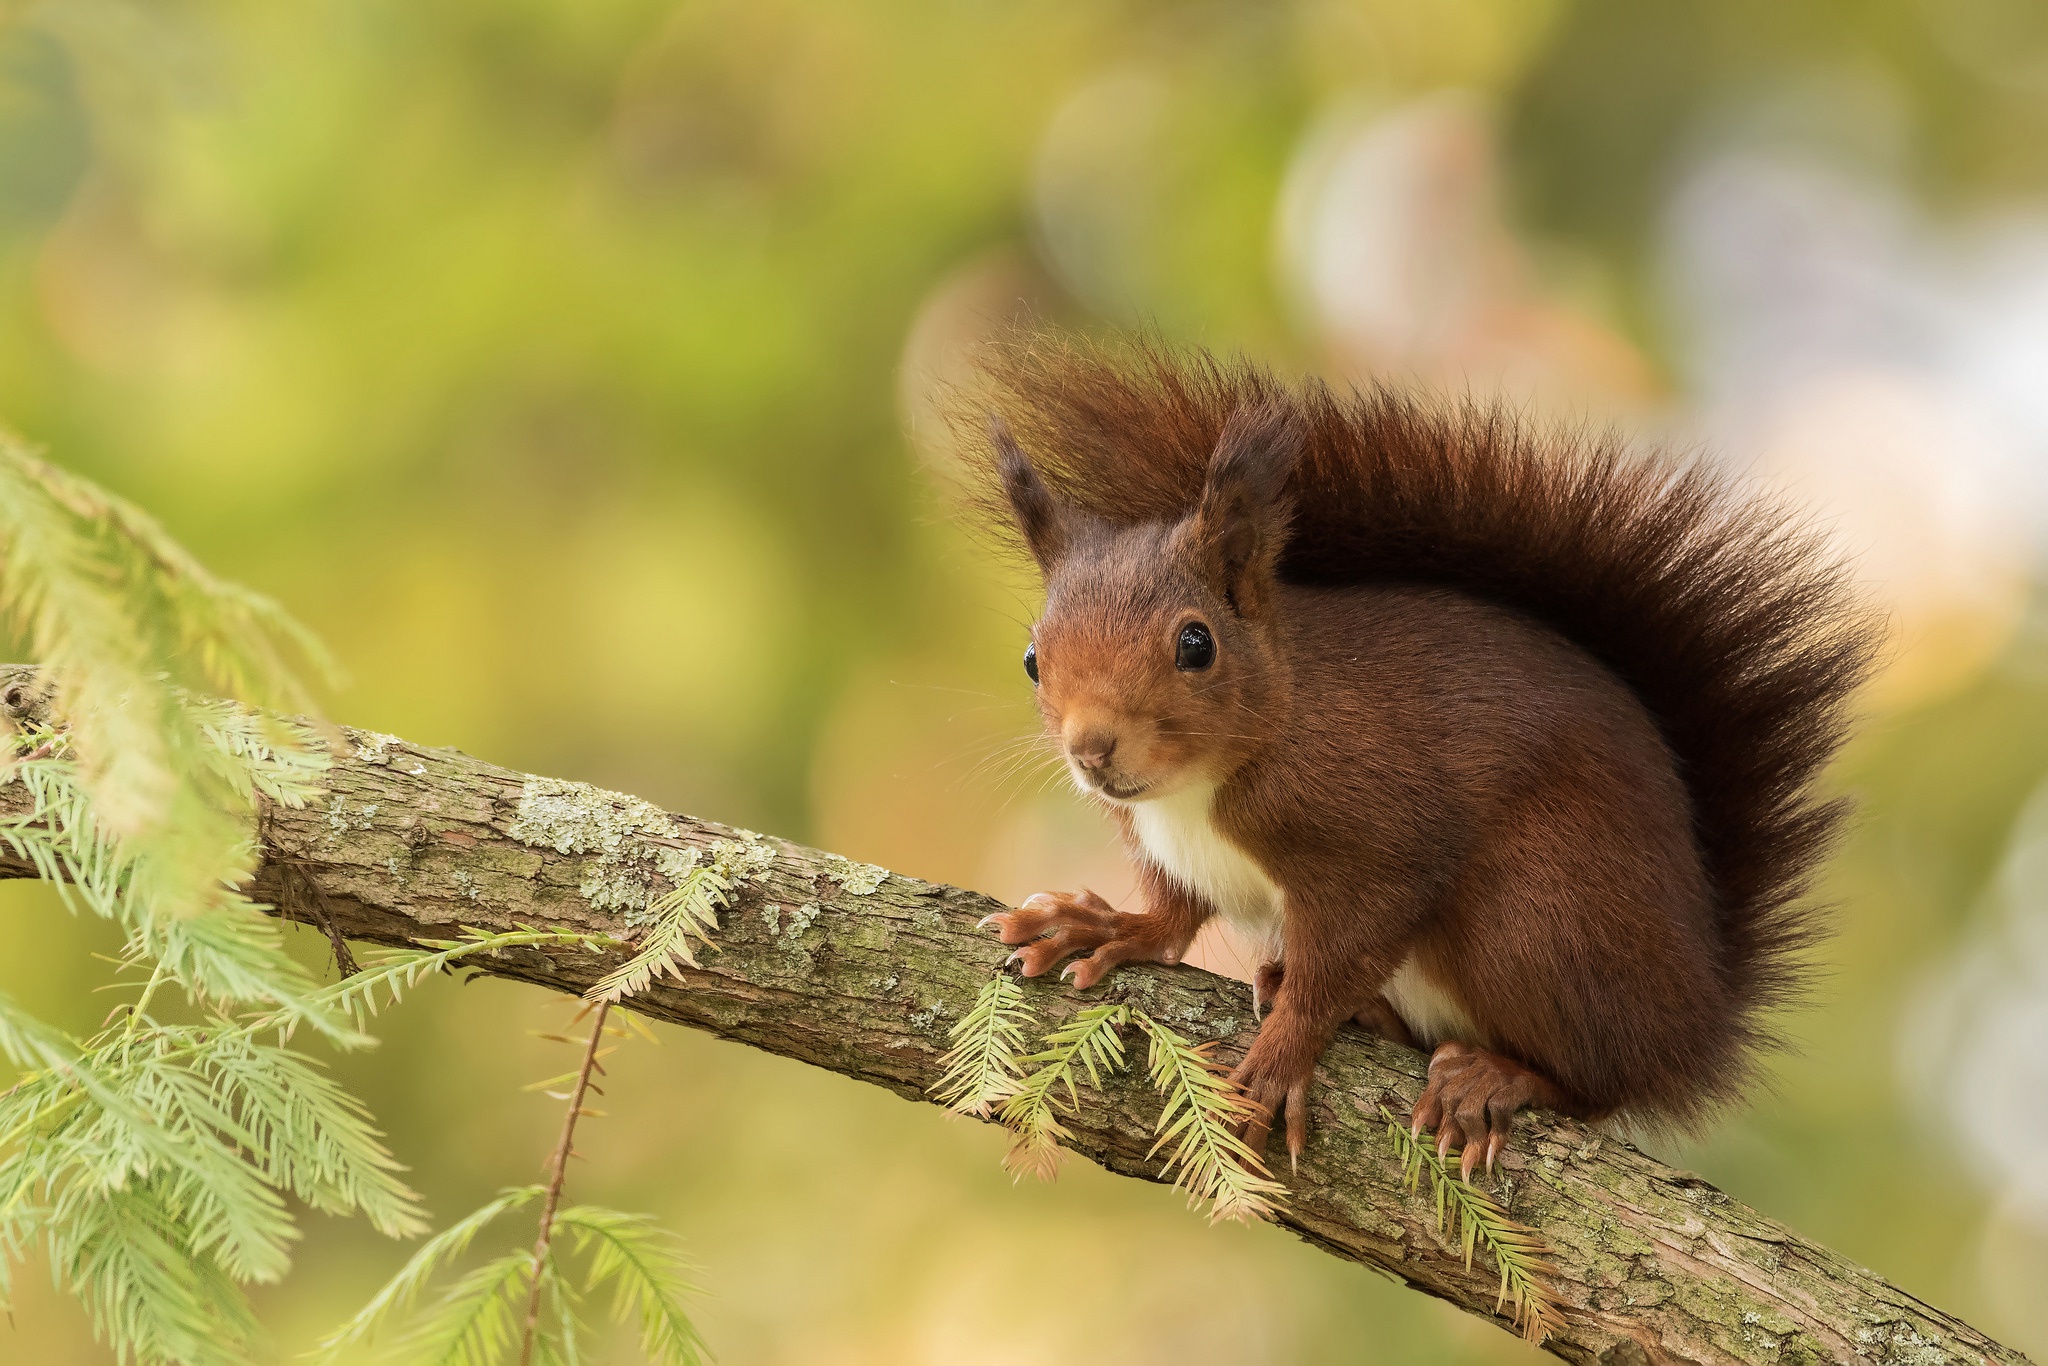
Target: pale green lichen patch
x,y
576,818
675,864
800,920
374,748
343,819
616,837
742,860
855,879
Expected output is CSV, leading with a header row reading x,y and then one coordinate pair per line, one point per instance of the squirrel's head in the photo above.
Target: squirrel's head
x,y
1155,662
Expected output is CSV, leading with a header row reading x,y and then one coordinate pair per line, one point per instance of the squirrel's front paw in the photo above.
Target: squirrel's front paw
x,y
1053,926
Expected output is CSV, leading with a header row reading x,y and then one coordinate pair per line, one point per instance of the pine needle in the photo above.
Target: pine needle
x,y
982,1067
1477,1220
687,912
1208,1161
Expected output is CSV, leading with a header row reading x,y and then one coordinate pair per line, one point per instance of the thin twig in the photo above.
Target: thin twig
x,y
559,1168
293,878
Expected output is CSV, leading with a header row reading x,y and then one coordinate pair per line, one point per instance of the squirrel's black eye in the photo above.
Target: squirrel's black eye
x,y
1196,648
1031,660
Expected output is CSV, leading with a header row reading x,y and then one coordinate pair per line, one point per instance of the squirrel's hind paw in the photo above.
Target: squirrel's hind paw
x,y
1275,1079
1471,1099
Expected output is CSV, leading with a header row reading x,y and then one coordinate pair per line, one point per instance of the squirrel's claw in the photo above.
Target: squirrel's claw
x,y
1274,1079
1054,927
1266,983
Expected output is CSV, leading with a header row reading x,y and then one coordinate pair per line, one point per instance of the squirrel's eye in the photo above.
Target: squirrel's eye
x,y
1196,648
1031,660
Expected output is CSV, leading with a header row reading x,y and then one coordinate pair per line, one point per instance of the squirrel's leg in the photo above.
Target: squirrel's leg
x,y
1377,1015
1471,1098
1383,1020
1336,960
1054,926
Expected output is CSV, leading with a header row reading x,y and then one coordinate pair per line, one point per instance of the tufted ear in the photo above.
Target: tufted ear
x,y
1240,526
1040,516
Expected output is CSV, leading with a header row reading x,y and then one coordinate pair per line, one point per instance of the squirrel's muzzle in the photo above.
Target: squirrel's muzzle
x,y
1092,749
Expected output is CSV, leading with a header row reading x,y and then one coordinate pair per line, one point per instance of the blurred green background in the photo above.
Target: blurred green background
x,y
569,367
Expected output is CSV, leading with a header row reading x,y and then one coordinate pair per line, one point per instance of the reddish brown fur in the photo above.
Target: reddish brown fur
x,y
1539,716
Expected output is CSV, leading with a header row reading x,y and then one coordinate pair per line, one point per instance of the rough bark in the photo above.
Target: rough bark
x,y
847,967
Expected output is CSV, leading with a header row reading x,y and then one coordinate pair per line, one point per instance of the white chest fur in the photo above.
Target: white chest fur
x,y
1179,837
1427,1009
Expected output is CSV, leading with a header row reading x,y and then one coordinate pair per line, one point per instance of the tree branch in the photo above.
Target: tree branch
x,y
845,967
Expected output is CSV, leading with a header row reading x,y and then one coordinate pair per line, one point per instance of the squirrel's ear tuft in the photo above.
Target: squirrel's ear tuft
x,y
1039,514
1241,523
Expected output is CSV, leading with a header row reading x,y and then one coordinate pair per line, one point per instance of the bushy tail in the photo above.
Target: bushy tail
x,y
1732,622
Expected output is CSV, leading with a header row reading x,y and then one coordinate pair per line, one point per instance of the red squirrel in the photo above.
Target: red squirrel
x,y
1500,744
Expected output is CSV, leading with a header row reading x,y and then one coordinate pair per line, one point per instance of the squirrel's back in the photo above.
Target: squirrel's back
x,y
1740,634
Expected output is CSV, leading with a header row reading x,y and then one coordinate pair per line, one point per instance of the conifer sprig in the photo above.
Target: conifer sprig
x,y
127,627
403,1290
1203,1110
476,1321
1468,1213
686,912
649,1278
152,1160
386,977
1089,1042
525,1305
983,1067
219,949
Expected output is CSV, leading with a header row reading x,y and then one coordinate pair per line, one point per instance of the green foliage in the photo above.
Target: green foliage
x,y
126,626
983,1068
688,911
1471,1215
153,1159
1202,1114
476,1322
403,1289
525,1299
387,975
216,947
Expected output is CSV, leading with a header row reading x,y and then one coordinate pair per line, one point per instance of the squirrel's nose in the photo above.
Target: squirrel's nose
x,y
1091,749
